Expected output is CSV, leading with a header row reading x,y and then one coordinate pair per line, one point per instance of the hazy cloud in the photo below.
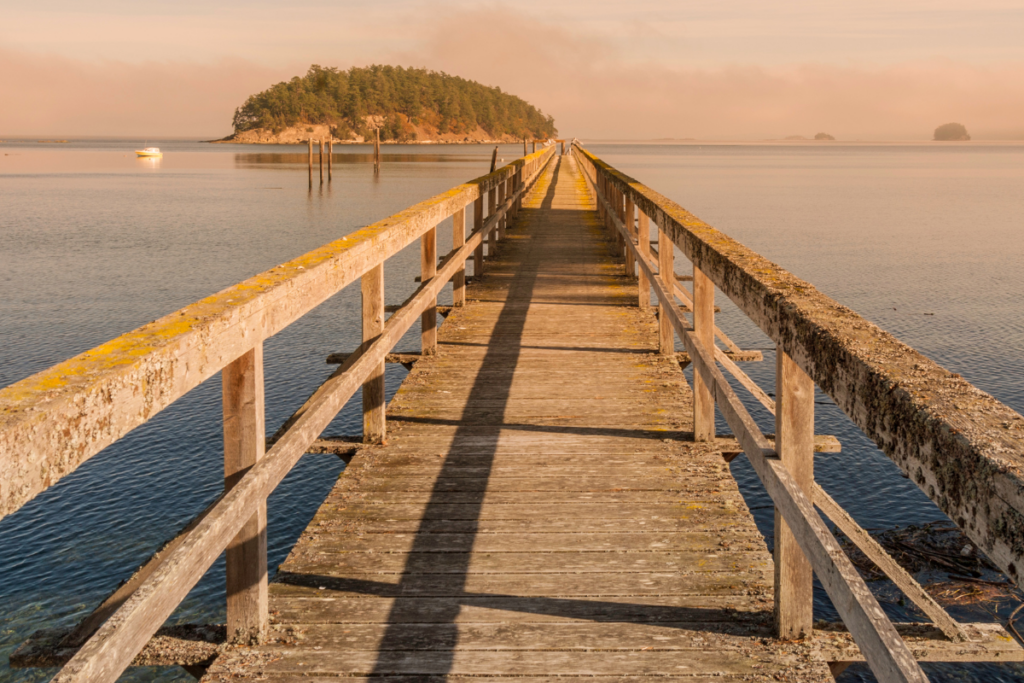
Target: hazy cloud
x,y
594,83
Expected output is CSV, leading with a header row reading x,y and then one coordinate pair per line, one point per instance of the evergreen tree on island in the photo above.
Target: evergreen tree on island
x,y
396,100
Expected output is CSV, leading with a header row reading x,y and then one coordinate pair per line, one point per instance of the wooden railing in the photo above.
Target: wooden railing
x,y
971,463
54,421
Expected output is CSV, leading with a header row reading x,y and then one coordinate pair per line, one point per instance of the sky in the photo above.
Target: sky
x,y
643,69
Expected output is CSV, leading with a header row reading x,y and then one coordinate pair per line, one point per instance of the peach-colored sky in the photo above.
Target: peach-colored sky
x,y
737,69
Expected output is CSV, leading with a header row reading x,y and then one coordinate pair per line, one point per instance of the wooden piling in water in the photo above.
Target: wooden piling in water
x,y
494,158
330,158
321,162
310,143
376,150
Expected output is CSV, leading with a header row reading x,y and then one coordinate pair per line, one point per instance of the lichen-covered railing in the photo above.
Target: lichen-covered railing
x,y
960,445
54,421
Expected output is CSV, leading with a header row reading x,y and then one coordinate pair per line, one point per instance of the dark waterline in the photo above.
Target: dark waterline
x,y
94,242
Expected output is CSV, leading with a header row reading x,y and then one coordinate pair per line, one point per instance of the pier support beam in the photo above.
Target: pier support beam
x,y
374,428
644,244
667,273
492,236
244,438
628,221
321,162
794,444
502,222
459,239
704,330
428,269
478,224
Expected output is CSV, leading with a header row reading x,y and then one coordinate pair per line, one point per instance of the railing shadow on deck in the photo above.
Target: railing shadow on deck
x,y
496,387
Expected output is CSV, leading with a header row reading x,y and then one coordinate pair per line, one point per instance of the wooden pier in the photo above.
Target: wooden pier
x,y
540,508
545,497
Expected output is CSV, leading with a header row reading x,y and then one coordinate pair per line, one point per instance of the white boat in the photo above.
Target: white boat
x,y
149,152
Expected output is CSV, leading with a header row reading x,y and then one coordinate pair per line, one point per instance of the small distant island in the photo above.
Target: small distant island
x,y
824,136
405,105
951,132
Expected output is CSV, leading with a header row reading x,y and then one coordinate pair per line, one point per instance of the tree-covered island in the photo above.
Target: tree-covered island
x,y
407,105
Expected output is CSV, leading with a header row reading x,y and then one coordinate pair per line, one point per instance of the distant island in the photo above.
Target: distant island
x,y
951,132
824,136
406,105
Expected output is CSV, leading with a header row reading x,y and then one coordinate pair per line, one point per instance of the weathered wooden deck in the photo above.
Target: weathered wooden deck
x,y
538,509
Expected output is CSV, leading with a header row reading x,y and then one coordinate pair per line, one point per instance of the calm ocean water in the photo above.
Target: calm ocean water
x,y
94,242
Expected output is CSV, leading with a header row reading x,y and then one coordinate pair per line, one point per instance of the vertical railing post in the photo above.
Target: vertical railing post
x,y
667,273
704,330
428,269
628,221
458,240
622,217
478,224
374,428
502,189
794,444
244,443
643,240
492,236
520,180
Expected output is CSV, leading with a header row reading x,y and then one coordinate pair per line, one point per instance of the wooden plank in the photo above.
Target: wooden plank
x,y
246,554
549,542
294,604
794,445
484,663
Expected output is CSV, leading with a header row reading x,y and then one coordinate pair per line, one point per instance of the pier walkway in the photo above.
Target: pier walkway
x,y
545,497
540,508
